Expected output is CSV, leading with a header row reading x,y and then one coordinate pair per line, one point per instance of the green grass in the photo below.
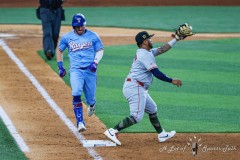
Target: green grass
x,y
9,150
207,101
213,19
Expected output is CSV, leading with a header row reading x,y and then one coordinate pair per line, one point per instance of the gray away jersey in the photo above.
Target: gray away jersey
x,y
143,62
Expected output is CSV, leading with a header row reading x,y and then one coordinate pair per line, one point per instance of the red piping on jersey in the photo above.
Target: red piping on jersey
x,y
138,101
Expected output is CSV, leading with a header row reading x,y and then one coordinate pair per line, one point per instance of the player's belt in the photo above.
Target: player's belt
x,y
138,82
83,68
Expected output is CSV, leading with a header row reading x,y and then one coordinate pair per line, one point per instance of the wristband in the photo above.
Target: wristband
x,y
172,42
60,64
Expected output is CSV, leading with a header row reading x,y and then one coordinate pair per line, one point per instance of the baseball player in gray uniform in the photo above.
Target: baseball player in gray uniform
x,y
137,82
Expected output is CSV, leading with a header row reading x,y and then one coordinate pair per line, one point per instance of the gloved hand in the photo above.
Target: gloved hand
x,y
183,31
61,69
93,67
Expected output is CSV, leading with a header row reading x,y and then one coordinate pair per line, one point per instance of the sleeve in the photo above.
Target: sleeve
x,y
148,61
98,56
160,75
154,51
62,44
98,45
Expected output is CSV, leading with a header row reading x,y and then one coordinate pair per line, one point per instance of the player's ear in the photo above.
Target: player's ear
x,y
145,42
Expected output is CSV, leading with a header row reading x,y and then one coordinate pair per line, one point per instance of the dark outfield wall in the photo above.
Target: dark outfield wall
x,y
78,3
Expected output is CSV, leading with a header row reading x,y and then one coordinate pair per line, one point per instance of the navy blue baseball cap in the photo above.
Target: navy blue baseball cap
x,y
79,20
141,36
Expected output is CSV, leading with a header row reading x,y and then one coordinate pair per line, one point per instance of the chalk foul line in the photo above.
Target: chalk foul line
x,y
11,128
49,100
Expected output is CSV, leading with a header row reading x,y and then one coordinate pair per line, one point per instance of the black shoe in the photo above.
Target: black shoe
x,y
49,54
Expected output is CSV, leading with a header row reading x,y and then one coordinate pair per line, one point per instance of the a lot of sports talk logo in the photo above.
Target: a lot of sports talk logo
x,y
196,145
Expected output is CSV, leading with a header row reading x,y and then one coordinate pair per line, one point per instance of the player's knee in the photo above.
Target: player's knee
x,y
152,111
138,118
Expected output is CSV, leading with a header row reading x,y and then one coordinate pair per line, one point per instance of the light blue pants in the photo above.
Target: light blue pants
x,y
84,81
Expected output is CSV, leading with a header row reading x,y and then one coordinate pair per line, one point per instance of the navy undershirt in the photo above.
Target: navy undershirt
x,y
158,74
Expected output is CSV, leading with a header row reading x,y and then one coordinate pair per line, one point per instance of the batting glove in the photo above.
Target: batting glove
x,y
93,67
61,70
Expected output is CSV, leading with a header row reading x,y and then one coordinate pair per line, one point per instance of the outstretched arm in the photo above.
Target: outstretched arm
x,y
165,47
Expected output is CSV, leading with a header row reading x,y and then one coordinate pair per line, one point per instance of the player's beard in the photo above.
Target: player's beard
x,y
80,30
150,44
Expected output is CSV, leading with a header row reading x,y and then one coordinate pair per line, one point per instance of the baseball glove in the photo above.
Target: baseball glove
x,y
183,31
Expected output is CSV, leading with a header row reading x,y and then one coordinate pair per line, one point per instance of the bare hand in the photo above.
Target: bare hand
x,y
177,82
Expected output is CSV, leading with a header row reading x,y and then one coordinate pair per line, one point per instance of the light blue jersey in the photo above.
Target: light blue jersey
x,y
81,52
82,48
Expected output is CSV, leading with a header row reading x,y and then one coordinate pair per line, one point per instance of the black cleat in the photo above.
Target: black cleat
x,y
49,54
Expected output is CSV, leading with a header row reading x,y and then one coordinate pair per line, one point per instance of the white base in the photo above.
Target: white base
x,y
98,143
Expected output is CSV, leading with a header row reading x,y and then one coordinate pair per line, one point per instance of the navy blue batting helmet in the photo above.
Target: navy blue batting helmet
x,y
78,20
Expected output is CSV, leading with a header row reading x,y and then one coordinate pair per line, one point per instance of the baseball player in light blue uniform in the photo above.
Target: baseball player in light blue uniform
x,y
85,50
135,88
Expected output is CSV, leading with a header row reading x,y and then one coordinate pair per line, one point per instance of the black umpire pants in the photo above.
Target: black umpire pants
x,y
51,23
